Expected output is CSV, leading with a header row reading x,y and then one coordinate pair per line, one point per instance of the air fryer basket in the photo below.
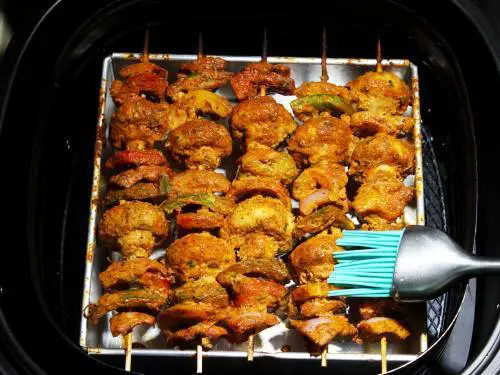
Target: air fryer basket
x,y
52,104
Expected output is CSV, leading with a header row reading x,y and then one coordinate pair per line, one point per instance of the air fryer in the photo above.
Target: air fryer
x,y
50,83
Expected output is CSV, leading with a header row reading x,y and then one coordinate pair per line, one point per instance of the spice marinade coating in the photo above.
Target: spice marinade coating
x,y
240,188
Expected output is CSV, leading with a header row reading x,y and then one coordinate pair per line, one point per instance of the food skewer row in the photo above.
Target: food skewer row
x,y
321,192
134,227
128,337
251,185
379,163
200,144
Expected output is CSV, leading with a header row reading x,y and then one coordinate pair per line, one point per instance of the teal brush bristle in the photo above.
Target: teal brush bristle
x,y
366,268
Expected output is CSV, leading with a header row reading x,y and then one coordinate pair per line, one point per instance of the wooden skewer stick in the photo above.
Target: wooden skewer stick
x,y
264,46
324,72
128,351
250,348
324,358
324,78
262,93
199,359
383,354
145,49
200,45
379,56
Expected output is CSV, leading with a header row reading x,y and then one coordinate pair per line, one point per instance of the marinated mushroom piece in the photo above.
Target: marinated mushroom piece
x,y
149,173
136,158
243,322
258,246
123,323
206,333
195,306
323,183
273,77
382,195
203,290
256,283
140,119
321,138
139,192
322,307
263,215
199,254
143,67
263,161
268,187
382,92
204,103
188,313
312,260
199,182
143,298
143,78
382,149
204,73
372,308
374,329
201,144
367,123
321,219
149,85
262,120
254,292
324,329
142,272
134,227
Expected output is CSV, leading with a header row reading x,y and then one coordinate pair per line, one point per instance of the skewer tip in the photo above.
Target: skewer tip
x,y
324,71
324,357
200,45
199,359
128,351
379,56
264,45
383,354
250,348
145,49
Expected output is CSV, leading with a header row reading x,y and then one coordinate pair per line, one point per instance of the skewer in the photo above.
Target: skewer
x,y
324,353
379,57
324,78
128,351
199,348
200,45
324,72
262,93
383,340
250,348
199,359
127,339
145,49
264,46
383,354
